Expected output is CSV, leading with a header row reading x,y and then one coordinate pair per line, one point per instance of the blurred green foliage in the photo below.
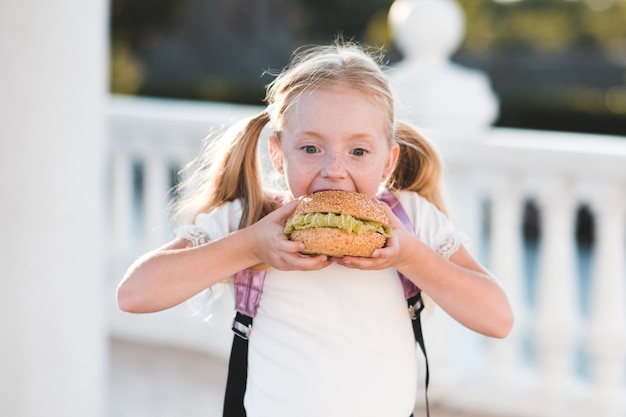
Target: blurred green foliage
x,y
544,26
555,64
144,32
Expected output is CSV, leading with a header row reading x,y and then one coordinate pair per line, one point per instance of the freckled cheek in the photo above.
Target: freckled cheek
x,y
299,167
367,173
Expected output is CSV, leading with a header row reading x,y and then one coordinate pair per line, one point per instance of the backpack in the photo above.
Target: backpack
x,y
248,287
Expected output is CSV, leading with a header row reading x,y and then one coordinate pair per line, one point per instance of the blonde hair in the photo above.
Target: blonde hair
x,y
419,167
230,169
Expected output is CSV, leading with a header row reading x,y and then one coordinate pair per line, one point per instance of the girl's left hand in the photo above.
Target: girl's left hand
x,y
386,257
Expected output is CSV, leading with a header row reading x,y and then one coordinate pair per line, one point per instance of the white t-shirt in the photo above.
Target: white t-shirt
x,y
335,342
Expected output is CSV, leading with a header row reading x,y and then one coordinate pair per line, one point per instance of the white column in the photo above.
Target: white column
x,y
505,262
557,316
122,203
155,198
502,371
53,83
607,315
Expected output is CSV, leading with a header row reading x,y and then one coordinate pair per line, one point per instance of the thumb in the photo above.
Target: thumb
x,y
394,221
285,211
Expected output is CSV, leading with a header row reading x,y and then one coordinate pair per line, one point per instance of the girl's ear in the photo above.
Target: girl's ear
x,y
392,160
276,153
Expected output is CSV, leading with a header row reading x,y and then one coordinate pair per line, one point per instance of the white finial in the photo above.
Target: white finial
x,y
434,92
427,28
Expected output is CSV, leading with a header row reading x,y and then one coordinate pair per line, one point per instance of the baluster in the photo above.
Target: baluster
x,y
505,262
156,184
557,315
502,357
607,316
503,368
122,204
452,347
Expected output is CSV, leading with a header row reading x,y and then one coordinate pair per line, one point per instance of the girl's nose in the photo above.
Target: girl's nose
x,y
334,166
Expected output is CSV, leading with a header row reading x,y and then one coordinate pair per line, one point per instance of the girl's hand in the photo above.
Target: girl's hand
x,y
386,257
272,246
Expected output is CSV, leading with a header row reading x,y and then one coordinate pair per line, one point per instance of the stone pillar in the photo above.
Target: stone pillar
x,y
52,152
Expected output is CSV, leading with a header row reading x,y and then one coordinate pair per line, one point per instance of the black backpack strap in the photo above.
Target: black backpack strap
x,y
238,367
416,305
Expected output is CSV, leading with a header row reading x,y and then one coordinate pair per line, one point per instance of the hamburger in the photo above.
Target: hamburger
x,y
339,223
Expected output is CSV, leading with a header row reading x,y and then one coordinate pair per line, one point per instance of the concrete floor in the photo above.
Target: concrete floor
x,y
148,381
145,381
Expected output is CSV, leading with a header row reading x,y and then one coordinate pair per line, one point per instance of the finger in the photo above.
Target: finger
x,y
285,245
304,262
355,262
282,241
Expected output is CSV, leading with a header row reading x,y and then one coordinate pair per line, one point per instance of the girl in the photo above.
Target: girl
x,y
332,336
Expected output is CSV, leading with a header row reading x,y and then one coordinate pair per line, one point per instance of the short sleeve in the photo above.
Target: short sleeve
x,y
432,226
213,225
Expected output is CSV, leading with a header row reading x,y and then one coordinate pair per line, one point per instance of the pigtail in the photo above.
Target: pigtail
x,y
228,170
419,167
238,174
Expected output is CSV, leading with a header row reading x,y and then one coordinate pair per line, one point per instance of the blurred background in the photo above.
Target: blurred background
x,y
555,64
105,101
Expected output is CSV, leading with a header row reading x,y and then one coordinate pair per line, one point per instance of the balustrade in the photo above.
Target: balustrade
x,y
560,358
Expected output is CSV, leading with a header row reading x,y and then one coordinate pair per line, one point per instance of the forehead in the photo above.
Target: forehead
x,y
336,107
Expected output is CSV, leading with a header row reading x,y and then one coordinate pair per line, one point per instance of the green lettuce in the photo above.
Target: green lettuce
x,y
337,221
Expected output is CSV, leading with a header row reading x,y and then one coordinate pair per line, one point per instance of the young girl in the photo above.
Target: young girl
x,y
332,336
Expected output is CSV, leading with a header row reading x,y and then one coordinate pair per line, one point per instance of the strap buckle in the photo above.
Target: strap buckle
x,y
416,308
242,330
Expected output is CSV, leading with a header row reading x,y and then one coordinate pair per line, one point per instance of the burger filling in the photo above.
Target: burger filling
x,y
336,221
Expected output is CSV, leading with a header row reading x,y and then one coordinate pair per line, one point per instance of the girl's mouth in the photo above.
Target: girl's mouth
x,y
328,189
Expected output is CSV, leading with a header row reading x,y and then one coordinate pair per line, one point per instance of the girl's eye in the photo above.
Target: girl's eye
x,y
309,149
359,152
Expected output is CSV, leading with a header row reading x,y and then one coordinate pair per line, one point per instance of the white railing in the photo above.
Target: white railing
x,y
567,353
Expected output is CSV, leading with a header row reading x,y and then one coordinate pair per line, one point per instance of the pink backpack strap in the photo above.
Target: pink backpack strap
x,y
410,290
248,287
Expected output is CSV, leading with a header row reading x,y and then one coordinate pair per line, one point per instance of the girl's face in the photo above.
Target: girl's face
x,y
334,139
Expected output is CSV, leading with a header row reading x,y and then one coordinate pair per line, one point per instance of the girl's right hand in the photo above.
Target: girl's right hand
x,y
273,247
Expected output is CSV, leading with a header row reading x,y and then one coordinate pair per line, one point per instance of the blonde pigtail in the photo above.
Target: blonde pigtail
x,y
419,167
229,170
238,173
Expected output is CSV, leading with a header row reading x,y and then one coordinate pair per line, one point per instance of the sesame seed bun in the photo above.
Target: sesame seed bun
x,y
334,241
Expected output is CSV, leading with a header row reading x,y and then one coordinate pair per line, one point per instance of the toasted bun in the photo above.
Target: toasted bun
x,y
346,202
336,242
